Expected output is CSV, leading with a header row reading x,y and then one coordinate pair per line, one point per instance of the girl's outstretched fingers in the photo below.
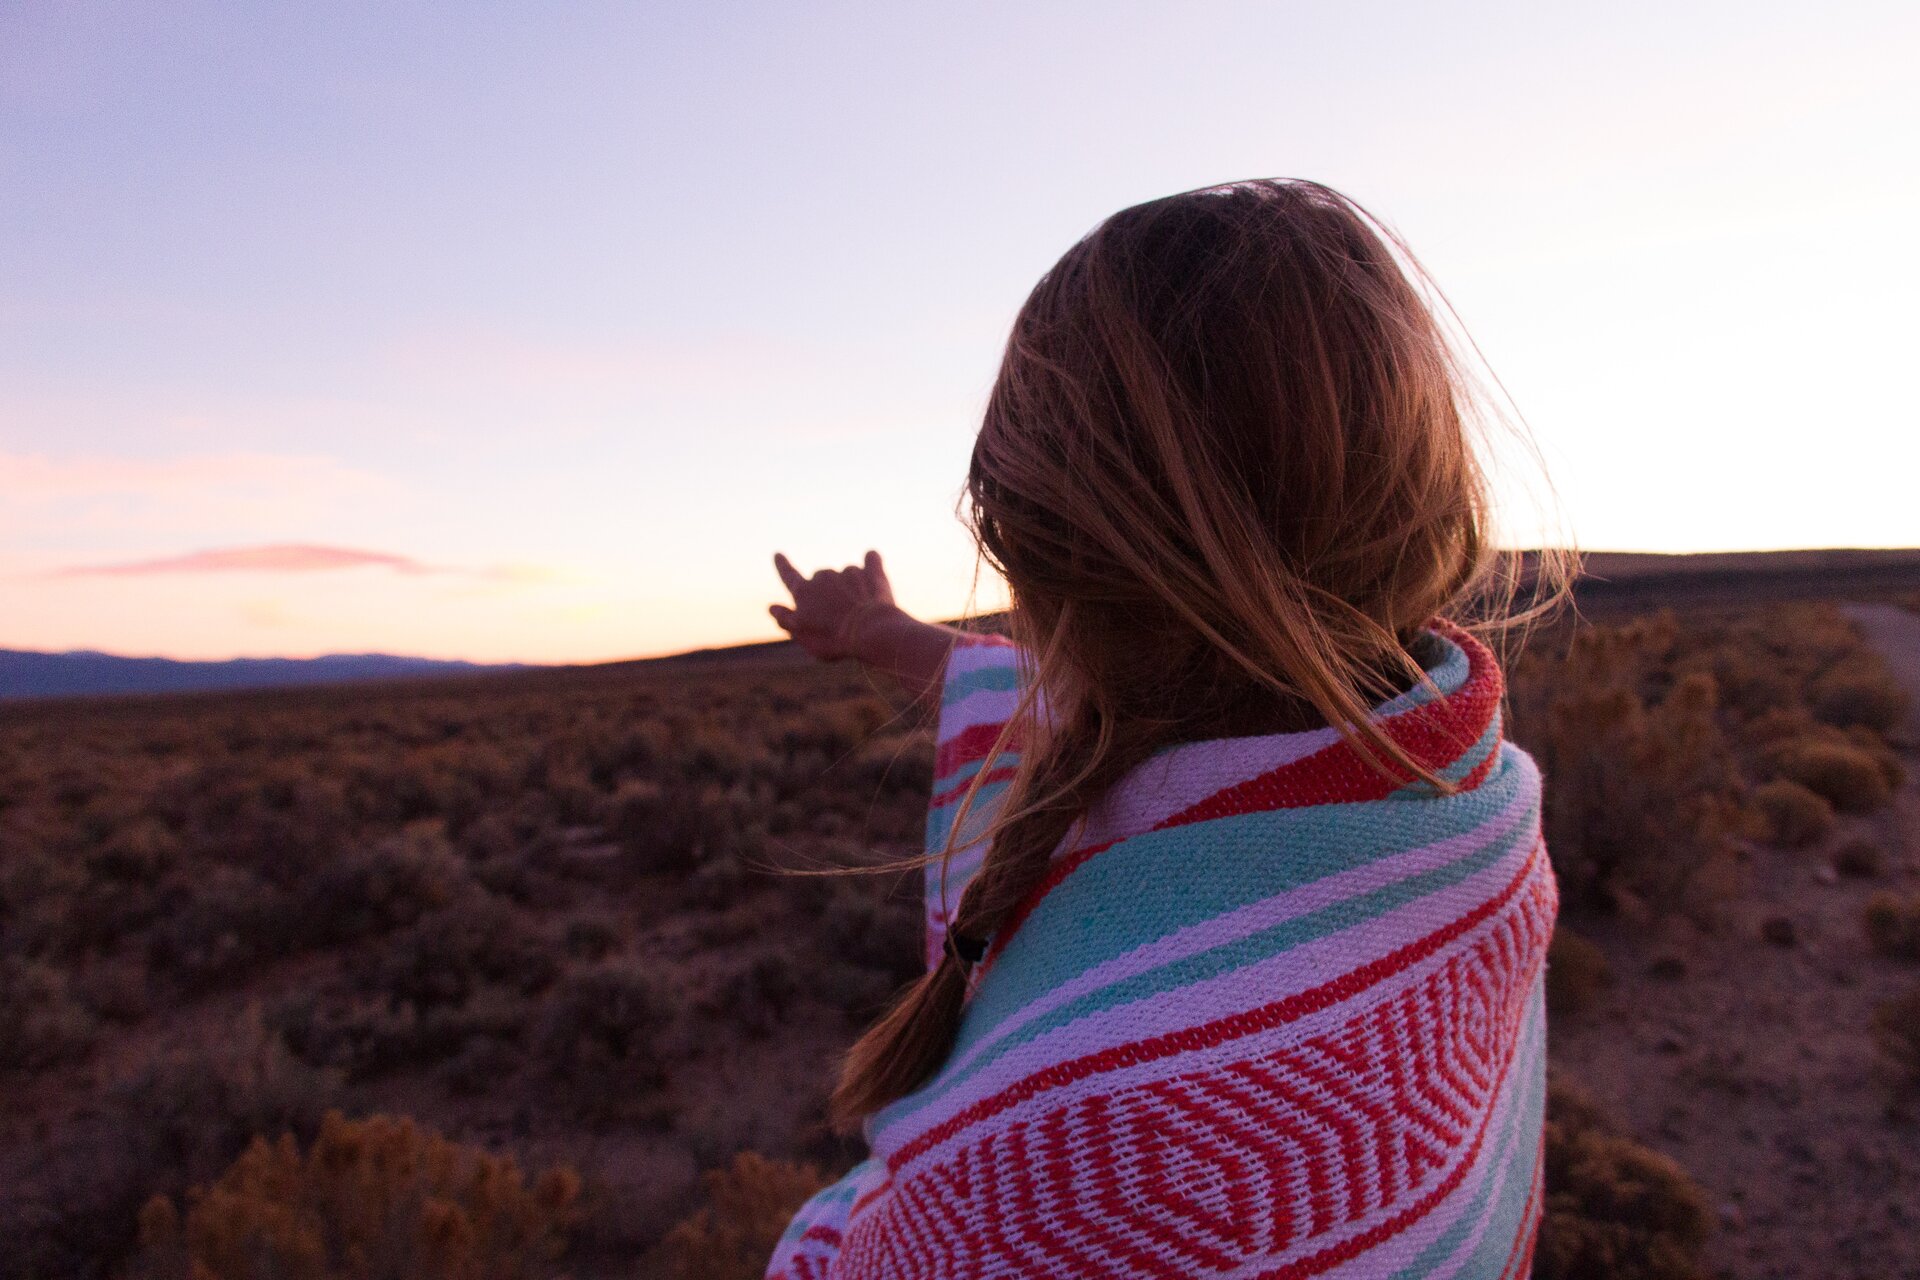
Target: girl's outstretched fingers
x,y
790,576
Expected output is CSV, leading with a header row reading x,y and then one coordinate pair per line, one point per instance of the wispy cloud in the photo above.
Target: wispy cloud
x,y
303,557
285,557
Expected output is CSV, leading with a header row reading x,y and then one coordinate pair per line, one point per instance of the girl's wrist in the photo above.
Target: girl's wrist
x,y
863,631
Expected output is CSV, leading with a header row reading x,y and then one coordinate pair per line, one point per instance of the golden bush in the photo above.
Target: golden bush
x,y
1846,774
749,1205
1861,859
1791,814
1644,792
1854,696
1576,971
1893,924
372,1198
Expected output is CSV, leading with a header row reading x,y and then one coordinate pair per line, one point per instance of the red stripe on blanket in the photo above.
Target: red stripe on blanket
x,y
1039,1201
1263,1018
1355,1245
969,745
1436,734
960,788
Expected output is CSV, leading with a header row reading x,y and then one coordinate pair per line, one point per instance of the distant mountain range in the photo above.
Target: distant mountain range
x,y
26,674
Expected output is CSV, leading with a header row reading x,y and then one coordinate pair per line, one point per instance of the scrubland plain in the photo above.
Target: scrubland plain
x,y
511,976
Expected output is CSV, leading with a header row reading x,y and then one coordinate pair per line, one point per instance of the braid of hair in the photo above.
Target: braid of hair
x,y
1051,790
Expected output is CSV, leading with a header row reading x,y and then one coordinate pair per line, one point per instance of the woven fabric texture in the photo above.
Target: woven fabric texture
x,y
1271,1014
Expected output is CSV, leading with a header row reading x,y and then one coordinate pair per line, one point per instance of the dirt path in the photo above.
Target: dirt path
x,y
1752,1062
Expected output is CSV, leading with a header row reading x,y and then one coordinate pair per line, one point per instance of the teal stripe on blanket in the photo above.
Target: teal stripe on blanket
x,y
983,1019
961,773
828,1206
995,679
940,821
1160,882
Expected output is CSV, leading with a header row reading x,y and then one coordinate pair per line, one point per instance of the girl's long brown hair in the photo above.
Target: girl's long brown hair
x,y
1228,471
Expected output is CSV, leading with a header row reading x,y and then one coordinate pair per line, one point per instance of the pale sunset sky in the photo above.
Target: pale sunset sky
x,y
530,331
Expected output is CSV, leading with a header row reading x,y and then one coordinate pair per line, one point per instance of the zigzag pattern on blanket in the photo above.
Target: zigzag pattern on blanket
x,y
1316,1047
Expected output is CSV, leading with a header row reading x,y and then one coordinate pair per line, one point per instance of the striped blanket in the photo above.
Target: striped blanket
x,y
1269,1015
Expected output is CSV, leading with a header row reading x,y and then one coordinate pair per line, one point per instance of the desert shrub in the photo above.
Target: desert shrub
x,y
869,922
139,852
1576,971
855,990
231,919
1861,859
1779,723
368,1037
447,955
1883,753
1893,924
1846,774
115,989
371,1198
1615,1210
1645,795
749,1205
1791,814
199,1107
590,938
491,835
753,995
481,1065
610,1026
381,887
639,748
42,1023
891,764
1896,1030
675,827
1852,695
719,881
1749,684
178,1120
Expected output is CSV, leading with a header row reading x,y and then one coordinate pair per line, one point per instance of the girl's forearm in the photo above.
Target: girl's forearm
x,y
914,653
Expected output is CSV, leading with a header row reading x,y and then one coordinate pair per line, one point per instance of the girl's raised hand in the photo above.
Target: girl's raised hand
x,y
830,606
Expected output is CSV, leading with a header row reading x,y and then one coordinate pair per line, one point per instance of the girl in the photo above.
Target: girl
x,y
1237,902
